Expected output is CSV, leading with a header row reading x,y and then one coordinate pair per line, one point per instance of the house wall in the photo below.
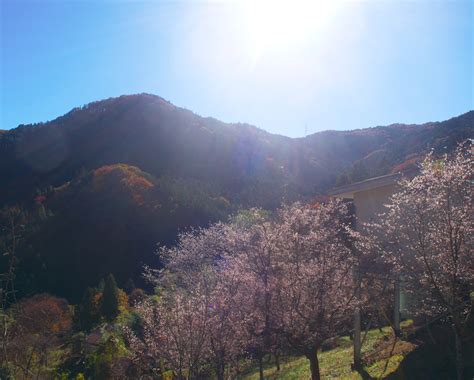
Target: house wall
x,y
370,203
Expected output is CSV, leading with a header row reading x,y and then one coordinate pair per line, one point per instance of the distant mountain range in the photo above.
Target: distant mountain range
x,y
111,179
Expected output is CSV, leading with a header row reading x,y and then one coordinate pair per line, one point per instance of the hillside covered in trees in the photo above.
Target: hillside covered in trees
x,y
99,187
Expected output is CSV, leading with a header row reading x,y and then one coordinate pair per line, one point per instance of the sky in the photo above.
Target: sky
x,y
289,67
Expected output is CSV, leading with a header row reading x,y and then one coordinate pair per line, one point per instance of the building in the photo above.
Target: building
x,y
368,199
368,196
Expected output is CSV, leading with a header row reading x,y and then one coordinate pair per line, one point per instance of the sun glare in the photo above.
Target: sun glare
x,y
281,24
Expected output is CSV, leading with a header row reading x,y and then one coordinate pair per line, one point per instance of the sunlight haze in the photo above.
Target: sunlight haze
x,y
291,67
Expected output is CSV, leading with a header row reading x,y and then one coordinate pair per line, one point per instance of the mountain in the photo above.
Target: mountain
x,y
108,181
402,145
109,220
243,161
152,134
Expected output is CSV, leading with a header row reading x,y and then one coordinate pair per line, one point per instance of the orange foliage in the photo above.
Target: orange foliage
x,y
43,314
103,170
136,182
40,325
123,300
130,178
96,301
122,297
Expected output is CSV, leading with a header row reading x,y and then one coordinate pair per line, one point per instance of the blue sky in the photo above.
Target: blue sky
x,y
285,69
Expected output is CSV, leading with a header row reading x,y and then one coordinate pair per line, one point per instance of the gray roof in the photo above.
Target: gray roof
x,y
371,183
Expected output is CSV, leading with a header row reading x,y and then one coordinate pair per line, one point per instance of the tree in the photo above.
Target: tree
x,y
252,285
297,275
206,259
254,266
101,285
129,286
194,322
88,314
12,224
136,296
40,324
110,299
12,220
227,335
174,330
316,297
429,226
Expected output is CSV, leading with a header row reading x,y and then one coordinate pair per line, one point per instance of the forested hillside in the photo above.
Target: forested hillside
x,y
103,184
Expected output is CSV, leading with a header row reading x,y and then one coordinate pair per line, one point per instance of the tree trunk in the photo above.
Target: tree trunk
x,y
180,375
277,362
357,326
459,360
314,364
260,366
396,308
220,371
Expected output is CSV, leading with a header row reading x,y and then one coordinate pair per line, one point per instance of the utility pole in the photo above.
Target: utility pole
x,y
357,341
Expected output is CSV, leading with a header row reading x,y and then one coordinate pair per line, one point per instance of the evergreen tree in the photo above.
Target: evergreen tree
x,y
87,310
101,285
110,298
129,286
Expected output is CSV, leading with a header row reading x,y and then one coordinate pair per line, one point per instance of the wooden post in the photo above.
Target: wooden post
x,y
357,341
396,306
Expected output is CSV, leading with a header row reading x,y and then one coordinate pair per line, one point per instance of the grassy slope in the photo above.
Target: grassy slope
x,y
336,363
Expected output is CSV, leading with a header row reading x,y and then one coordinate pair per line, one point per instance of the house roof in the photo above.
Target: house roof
x,y
375,182
368,184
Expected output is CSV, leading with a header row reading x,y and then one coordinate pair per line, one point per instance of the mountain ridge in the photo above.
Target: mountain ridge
x,y
152,108
150,95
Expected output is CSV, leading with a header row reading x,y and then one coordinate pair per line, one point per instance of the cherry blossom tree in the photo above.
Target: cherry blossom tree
x,y
250,285
429,227
173,334
297,274
227,337
254,266
194,322
199,262
317,256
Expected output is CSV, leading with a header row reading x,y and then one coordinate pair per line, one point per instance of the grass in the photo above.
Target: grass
x,y
380,351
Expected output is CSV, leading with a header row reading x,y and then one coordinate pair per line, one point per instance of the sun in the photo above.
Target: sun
x,y
281,24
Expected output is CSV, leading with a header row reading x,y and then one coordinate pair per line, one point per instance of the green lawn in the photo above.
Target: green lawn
x,y
379,352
